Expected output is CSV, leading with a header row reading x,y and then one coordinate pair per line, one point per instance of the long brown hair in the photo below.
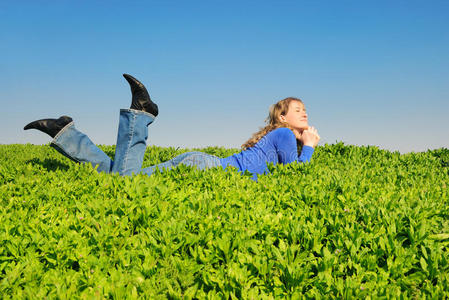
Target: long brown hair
x,y
274,122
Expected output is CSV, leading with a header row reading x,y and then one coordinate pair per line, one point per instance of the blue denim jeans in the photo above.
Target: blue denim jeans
x,y
130,148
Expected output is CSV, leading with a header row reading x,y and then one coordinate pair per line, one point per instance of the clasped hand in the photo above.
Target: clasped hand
x,y
309,137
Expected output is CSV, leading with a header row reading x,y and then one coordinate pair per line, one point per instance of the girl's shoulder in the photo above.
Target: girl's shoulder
x,y
281,136
282,132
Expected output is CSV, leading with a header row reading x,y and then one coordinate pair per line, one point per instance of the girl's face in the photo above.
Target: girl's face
x,y
296,116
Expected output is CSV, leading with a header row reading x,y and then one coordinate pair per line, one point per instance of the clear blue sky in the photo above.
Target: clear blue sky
x,y
369,72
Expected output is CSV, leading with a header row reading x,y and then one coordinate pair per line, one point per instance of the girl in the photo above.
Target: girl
x,y
286,135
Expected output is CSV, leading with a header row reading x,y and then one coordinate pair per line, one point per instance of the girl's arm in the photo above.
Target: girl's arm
x,y
310,139
306,154
287,150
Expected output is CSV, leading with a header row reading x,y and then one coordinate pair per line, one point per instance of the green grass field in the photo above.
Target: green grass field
x,y
355,222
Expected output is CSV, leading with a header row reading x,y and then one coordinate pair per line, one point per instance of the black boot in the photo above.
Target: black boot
x,y
141,99
49,126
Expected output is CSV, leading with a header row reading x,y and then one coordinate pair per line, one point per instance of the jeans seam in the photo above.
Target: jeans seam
x,y
136,112
61,132
129,142
55,145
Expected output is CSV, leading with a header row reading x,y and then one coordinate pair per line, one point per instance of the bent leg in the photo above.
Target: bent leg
x,y
199,159
131,141
78,147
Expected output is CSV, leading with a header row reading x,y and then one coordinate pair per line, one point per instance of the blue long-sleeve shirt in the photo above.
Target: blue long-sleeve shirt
x,y
277,146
